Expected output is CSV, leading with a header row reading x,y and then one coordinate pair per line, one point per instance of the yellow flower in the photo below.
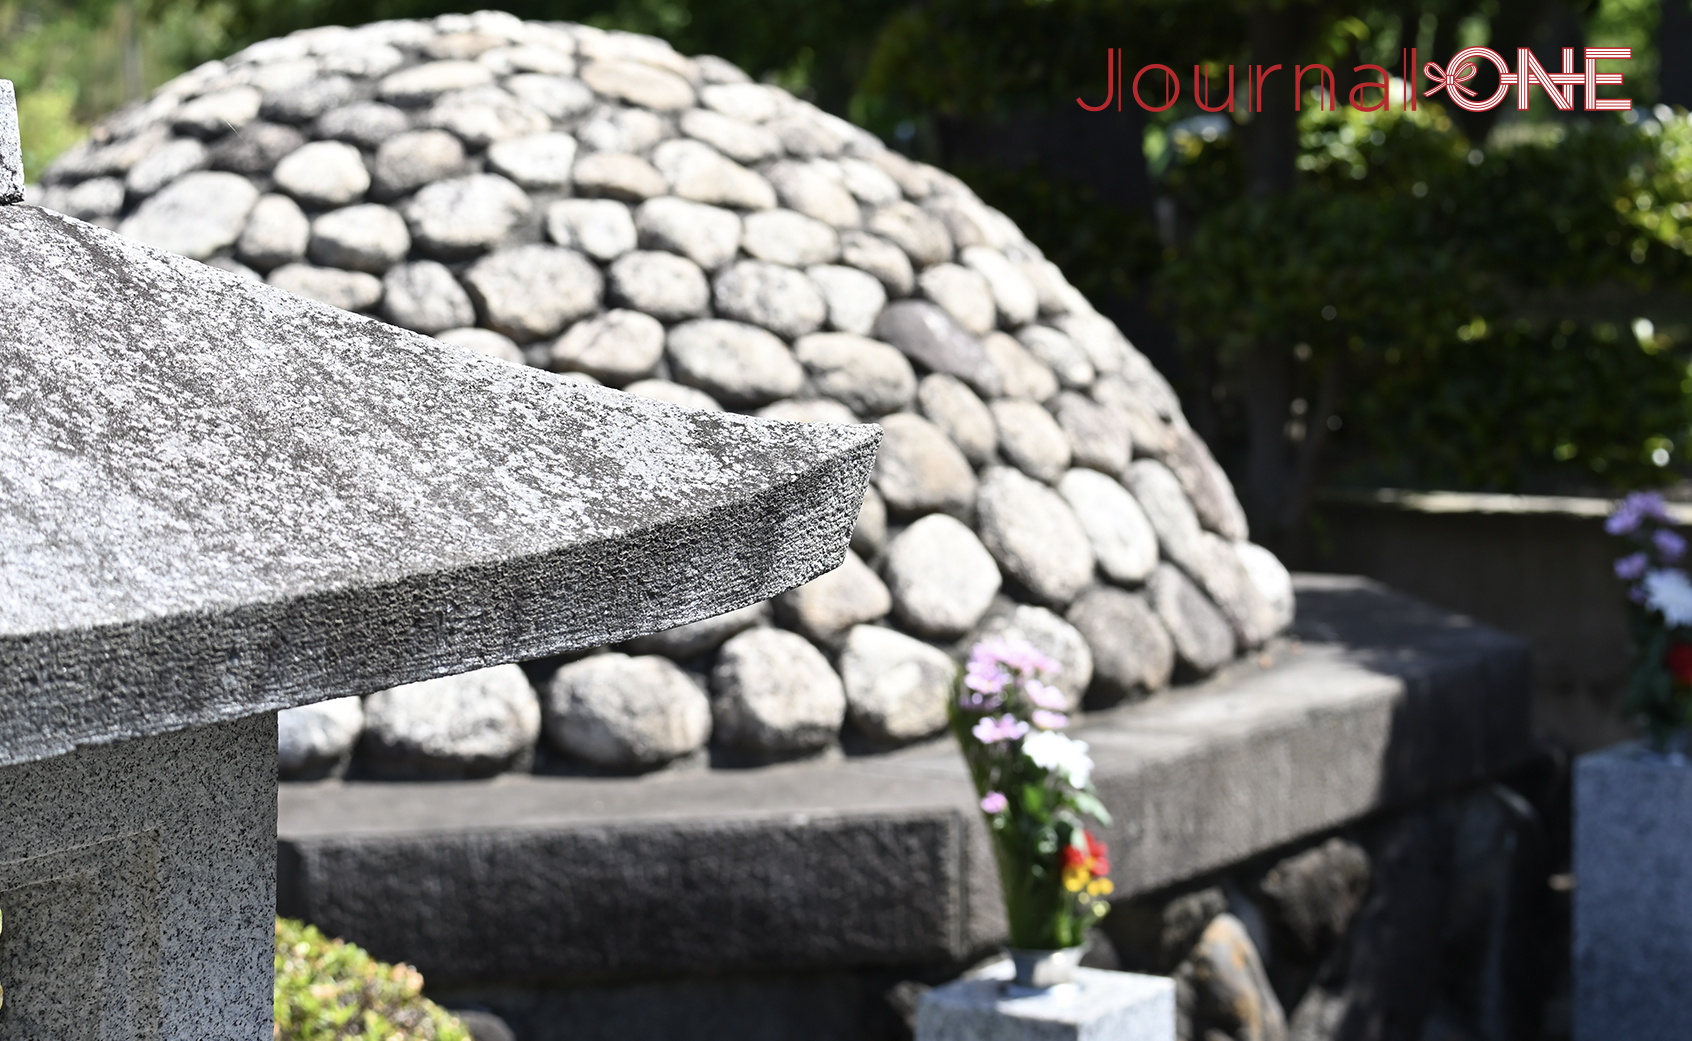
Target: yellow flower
x,y
1074,877
1100,887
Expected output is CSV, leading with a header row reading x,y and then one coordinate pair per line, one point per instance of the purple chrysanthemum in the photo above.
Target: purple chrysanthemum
x,y
1017,655
1634,510
1632,567
985,678
1669,546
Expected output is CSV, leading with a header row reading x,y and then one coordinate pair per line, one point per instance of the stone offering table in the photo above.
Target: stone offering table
x,y
218,500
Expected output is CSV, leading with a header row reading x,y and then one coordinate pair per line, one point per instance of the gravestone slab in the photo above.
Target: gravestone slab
x,y
1633,895
218,500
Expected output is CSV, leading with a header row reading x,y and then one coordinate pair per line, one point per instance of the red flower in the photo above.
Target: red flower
x,y
1679,662
1093,858
1101,856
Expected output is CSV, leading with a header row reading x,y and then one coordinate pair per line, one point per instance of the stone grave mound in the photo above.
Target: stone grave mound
x,y
596,204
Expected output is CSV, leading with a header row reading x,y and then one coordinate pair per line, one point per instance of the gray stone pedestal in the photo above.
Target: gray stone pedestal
x,y
1098,1006
1633,896
138,882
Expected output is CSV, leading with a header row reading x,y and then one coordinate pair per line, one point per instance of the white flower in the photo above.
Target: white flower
x,y
1052,751
1669,594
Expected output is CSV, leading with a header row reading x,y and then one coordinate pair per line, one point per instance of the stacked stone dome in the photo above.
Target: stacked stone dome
x,y
596,204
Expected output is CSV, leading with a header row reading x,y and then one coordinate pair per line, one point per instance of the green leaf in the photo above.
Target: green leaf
x,y
1088,803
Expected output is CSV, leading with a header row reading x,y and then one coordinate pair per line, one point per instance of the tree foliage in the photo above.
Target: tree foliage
x,y
1507,318
74,62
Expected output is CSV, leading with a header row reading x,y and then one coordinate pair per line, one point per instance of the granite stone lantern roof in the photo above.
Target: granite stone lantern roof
x,y
217,500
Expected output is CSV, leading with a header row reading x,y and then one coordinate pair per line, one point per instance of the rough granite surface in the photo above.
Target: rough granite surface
x,y
205,481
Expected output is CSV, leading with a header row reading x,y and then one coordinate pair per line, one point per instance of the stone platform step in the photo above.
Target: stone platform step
x,y
1377,701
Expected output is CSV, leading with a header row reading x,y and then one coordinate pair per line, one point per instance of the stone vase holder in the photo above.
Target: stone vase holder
x,y
1088,1005
1038,971
1633,894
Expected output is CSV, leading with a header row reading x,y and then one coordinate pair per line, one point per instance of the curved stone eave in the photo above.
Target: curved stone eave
x,y
334,513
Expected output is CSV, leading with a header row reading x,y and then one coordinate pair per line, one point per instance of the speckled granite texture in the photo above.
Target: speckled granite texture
x,y
1632,901
219,499
11,147
138,884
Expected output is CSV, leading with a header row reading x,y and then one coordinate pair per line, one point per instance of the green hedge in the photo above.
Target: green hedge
x,y
1506,317
1510,316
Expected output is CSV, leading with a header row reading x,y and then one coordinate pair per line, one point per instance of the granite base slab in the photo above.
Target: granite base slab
x,y
1098,1006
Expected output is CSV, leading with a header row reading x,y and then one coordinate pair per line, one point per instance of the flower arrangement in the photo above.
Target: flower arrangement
x,y
1036,788
1659,689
